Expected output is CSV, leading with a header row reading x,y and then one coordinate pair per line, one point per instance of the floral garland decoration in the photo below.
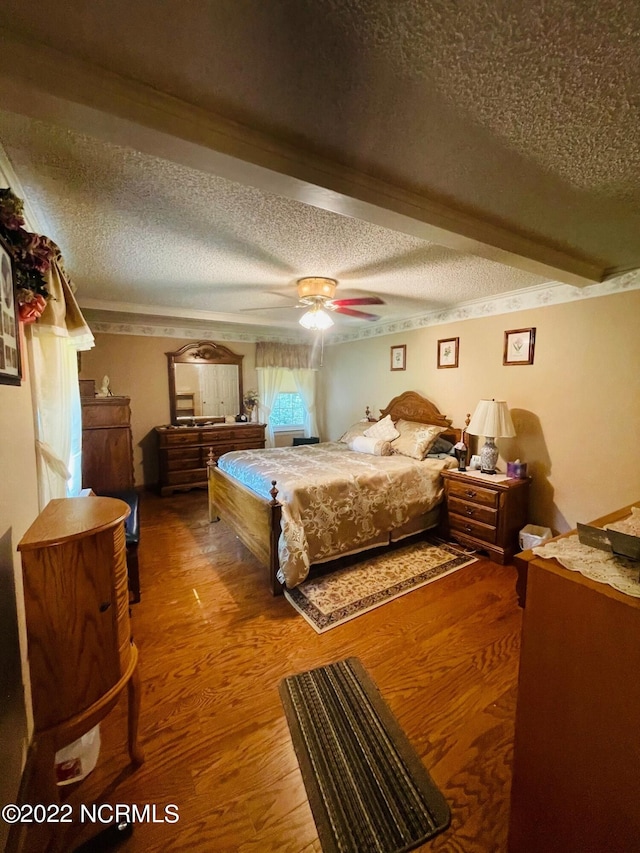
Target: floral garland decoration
x,y
32,256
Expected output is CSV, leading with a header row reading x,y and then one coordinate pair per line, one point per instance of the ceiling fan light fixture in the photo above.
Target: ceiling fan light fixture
x,y
317,286
316,319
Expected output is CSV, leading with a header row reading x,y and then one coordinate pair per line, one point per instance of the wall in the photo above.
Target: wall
x,y
137,368
18,509
576,409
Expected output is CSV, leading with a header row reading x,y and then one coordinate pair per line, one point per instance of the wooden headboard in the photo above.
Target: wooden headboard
x,y
412,406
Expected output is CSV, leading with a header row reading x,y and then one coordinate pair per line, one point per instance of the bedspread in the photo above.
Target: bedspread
x,y
334,499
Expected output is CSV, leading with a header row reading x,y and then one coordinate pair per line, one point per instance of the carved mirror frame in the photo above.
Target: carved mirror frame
x,y
200,352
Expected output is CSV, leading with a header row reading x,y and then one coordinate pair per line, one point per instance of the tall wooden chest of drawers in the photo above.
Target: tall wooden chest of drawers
x,y
107,449
183,452
484,513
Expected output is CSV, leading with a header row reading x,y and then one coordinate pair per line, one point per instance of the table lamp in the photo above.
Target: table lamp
x,y
492,420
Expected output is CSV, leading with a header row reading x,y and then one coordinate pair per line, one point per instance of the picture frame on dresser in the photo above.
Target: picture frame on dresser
x,y
10,358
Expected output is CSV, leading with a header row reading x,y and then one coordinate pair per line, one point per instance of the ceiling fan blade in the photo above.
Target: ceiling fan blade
x,y
274,307
361,300
362,315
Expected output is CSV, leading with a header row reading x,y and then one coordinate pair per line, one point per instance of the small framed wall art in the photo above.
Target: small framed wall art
x,y
519,345
448,352
399,357
10,364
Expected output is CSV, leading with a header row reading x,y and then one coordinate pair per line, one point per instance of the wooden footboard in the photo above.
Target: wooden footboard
x,y
255,520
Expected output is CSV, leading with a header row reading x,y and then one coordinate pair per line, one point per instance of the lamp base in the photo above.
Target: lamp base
x,y
488,456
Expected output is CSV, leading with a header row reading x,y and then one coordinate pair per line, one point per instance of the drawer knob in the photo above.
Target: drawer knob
x,y
105,606
468,528
471,493
469,510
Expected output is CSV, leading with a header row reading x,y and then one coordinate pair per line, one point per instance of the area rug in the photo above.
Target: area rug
x,y
341,595
367,787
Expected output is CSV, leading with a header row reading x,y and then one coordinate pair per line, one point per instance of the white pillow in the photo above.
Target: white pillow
x,y
383,430
374,446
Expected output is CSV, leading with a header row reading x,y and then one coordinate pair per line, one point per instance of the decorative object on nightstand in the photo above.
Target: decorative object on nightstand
x,y
460,450
492,420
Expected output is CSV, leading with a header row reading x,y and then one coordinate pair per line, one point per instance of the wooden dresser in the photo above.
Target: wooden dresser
x,y
484,513
183,452
576,758
107,448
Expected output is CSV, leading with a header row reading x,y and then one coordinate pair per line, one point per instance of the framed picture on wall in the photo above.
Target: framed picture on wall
x,y
519,345
10,364
448,352
399,357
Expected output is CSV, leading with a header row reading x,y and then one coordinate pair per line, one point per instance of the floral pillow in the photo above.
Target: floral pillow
x,y
382,429
415,440
355,430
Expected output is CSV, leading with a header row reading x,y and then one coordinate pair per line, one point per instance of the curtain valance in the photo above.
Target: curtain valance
x,y
291,356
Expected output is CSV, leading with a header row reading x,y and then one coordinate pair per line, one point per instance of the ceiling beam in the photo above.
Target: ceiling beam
x,y
43,83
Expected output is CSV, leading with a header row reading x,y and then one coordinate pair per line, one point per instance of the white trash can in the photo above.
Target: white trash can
x,y
78,759
531,536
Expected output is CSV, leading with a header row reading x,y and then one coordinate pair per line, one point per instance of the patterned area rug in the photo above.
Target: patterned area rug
x,y
341,595
366,785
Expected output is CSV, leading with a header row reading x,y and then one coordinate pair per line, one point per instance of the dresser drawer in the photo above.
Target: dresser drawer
x,y
180,459
484,532
105,412
181,478
178,438
249,433
471,492
229,433
477,512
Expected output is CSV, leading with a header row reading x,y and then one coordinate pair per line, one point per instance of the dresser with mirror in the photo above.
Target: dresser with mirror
x,y
206,404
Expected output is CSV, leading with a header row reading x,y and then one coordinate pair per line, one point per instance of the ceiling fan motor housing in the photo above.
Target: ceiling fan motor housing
x,y
312,287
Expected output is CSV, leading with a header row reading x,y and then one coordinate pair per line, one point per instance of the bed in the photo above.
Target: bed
x,y
298,507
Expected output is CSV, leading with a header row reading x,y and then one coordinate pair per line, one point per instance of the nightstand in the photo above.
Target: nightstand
x,y
485,512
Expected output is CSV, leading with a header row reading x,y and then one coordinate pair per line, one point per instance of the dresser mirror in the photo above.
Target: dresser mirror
x,y
205,384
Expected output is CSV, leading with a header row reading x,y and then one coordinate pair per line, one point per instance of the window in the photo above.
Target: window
x,y
288,411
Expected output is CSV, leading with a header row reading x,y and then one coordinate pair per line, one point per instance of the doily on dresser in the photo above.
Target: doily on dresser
x,y
618,572
630,524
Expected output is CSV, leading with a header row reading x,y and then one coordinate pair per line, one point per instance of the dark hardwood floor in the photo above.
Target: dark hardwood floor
x,y
214,645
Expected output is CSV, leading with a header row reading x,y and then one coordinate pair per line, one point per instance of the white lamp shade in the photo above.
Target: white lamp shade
x,y
492,418
316,319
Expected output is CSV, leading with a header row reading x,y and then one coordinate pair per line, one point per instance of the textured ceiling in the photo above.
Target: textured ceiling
x,y
523,116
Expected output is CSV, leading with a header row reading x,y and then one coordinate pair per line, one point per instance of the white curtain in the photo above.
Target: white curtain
x,y
306,386
54,341
54,368
270,381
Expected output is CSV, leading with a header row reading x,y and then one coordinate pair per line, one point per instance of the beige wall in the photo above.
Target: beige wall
x,y
576,409
137,368
18,509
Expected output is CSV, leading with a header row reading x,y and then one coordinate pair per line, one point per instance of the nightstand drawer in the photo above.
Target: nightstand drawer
x,y
467,509
473,528
472,492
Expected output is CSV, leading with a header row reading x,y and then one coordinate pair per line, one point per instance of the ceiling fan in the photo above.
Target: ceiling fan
x,y
316,294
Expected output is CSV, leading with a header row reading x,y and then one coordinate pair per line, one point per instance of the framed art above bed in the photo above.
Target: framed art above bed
x,y
298,507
